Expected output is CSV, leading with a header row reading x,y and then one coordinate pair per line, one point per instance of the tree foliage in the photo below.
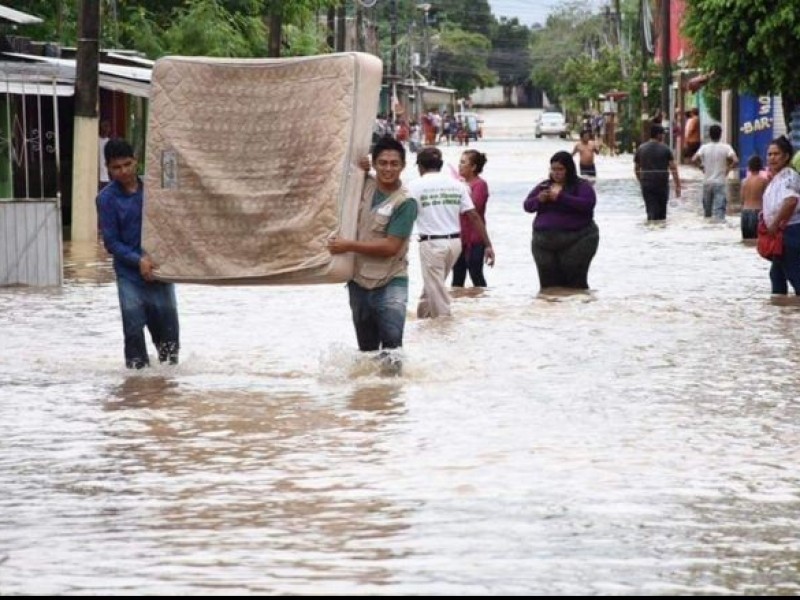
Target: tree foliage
x,y
511,55
583,78
196,27
749,44
569,33
460,33
207,28
472,16
461,61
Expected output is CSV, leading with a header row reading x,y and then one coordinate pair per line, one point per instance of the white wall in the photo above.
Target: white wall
x,y
491,97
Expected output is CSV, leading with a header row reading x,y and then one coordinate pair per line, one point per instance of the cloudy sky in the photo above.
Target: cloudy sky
x,y
527,11
531,11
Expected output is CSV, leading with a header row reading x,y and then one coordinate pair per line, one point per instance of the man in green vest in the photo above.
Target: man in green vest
x,y
379,288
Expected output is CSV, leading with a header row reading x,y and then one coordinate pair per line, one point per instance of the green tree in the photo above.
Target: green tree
x,y
201,27
511,55
207,28
60,20
584,78
569,33
748,44
472,16
461,61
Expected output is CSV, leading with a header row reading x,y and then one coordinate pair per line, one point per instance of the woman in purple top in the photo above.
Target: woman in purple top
x,y
565,236
471,259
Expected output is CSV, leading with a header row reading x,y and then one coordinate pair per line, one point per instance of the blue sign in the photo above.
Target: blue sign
x,y
756,118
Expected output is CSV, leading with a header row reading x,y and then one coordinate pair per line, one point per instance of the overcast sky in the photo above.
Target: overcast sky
x,y
530,11
527,11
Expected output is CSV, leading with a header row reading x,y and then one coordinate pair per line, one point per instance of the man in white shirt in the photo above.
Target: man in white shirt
x,y
102,168
441,199
716,159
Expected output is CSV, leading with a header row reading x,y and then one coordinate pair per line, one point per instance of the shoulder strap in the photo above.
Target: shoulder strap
x,y
398,196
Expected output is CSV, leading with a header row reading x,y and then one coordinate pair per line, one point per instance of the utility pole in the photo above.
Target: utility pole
x,y
341,21
393,60
84,149
666,66
275,31
426,63
331,33
359,27
623,65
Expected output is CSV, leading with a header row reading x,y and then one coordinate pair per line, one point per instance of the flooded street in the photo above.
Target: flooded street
x,y
638,439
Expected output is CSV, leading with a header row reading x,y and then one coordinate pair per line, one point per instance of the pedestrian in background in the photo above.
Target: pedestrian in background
x,y
472,247
752,194
653,162
102,170
716,159
586,150
692,137
441,200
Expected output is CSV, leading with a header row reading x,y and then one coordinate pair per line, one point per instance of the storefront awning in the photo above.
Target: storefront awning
x,y
134,80
9,15
695,83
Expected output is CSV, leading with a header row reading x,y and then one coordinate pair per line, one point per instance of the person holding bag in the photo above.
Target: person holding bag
x,y
781,215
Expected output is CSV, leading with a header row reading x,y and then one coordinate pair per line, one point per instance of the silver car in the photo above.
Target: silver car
x,y
551,123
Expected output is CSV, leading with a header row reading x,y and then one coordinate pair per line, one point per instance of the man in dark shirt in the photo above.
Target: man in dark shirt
x,y
143,301
653,163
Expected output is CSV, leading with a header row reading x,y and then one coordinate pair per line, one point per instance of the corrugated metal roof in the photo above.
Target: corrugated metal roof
x,y
36,89
17,16
131,80
132,59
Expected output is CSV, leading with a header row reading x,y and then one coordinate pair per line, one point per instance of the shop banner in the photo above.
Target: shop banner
x,y
756,118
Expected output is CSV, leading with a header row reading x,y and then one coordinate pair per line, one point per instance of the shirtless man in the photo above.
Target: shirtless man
x,y
692,134
586,149
752,193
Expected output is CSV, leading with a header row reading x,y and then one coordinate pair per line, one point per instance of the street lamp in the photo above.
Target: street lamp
x,y
425,8
419,104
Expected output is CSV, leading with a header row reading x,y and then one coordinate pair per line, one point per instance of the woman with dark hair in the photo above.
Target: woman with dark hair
x,y
782,212
472,249
565,236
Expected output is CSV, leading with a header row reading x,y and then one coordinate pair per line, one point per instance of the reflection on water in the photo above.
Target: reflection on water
x,y
86,262
638,438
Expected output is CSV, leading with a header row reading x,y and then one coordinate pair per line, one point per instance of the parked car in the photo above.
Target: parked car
x,y
474,122
551,122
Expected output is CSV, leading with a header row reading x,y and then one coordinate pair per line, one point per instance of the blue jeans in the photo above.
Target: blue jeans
x,y
787,267
471,259
379,315
152,305
714,200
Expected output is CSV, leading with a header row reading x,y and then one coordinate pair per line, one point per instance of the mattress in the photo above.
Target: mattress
x,y
251,164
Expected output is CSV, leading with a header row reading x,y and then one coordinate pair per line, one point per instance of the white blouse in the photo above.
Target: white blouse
x,y
786,184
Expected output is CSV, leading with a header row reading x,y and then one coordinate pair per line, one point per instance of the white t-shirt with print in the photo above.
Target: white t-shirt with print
x,y
783,185
440,200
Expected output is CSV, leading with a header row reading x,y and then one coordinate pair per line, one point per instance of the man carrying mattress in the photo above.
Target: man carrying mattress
x,y
379,288
143,301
